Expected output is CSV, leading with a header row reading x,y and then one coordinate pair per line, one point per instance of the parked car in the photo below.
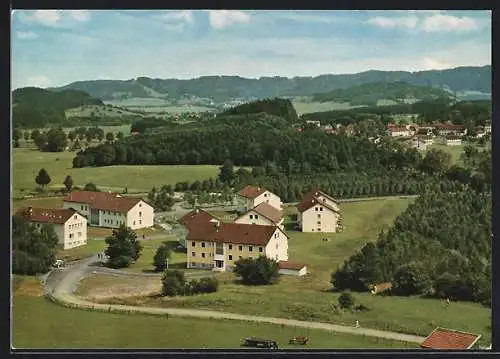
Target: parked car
x,y
59,263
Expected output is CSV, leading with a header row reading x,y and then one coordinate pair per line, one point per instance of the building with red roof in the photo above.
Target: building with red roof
x,y
263,214
69,225
110,210
251,196
448,339
318,212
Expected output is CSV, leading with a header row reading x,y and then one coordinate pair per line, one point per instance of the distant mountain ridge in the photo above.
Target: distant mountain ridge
x,y
226,88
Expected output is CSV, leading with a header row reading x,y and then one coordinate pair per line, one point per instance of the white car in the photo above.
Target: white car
x,y
59,263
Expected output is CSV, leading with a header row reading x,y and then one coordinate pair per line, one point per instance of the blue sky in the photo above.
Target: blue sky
x,y
56,47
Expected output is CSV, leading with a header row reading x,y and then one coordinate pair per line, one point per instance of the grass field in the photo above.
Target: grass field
x,y
38,323
27,163
310,298
98,111
92,247
145,261
454,151
303,107
170,109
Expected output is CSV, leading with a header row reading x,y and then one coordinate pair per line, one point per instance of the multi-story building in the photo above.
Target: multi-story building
x,y
318,212
110,210
251,196
69,225
211,244
262,214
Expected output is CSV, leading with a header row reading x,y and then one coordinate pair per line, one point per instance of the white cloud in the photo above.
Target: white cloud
x,y
80,15
223,18
409,22
428,63
37,81
441,22
44,17
178,16
26,35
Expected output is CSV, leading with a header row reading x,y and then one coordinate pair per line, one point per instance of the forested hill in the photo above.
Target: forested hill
x,y
36,107
370,94
224,88
277,107
440,246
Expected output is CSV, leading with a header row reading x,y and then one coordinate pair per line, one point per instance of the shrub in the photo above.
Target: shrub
x,y
258,271
346,300
208,285
173,283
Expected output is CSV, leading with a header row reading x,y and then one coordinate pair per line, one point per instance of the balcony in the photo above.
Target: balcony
x,y
219,256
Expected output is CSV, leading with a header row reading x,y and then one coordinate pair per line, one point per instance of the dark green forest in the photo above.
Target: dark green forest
x,y
224,88
369,94
36,107
440,247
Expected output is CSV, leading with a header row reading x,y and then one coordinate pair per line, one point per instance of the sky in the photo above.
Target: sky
x,y
57,47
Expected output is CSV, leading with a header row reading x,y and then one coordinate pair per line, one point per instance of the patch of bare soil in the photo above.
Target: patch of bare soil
x,y
101,286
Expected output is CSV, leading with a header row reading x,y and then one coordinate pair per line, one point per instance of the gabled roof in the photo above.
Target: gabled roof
x,y
290,265
267,211
251,191
198,222
311,198
442,338
103,200
235,233
47,215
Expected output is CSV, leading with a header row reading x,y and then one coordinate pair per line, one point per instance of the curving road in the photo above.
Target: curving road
x,y
61,284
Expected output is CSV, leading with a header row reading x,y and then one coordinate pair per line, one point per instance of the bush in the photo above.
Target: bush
x,y
258,271
208,285
346,300
173,283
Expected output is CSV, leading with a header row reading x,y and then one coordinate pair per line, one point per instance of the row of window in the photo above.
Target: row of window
x,y
254,216
319,209
203,255
71,235
84,208
76,225
110,221
76,243
230,246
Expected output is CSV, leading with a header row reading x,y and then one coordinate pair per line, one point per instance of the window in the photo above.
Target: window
x,y
240,257
203,244
267,201
81,207
250,248
230,257
319,223
79,234
193,254
261,249
76,217
319,229
321,209
324,199
230,246
133,223
193,244
312,229
240,248
275,235
140,221
140,214
140,204
319,215
71,235
251,216
316,209
265,194
256,217
203,255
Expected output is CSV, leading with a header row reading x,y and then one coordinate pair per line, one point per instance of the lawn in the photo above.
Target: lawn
x,y
310,298
38,323
92,247
27,163
145,261
454,151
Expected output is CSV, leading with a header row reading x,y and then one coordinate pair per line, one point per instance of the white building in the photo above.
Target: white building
x,y
263,214
449,141
69,225
318,212
291,268
251,196
110,210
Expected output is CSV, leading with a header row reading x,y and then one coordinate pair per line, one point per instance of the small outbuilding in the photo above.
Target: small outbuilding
x,y
449,339
291,268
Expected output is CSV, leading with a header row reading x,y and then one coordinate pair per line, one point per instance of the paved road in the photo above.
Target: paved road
x,y
61,284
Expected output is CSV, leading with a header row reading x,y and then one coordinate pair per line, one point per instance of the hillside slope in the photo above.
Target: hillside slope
x,y
37,107
224,88
370,94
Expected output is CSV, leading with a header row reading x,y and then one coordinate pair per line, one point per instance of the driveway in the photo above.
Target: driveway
x,y
61,284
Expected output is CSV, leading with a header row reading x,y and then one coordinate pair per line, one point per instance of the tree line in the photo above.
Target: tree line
x,y
440,247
